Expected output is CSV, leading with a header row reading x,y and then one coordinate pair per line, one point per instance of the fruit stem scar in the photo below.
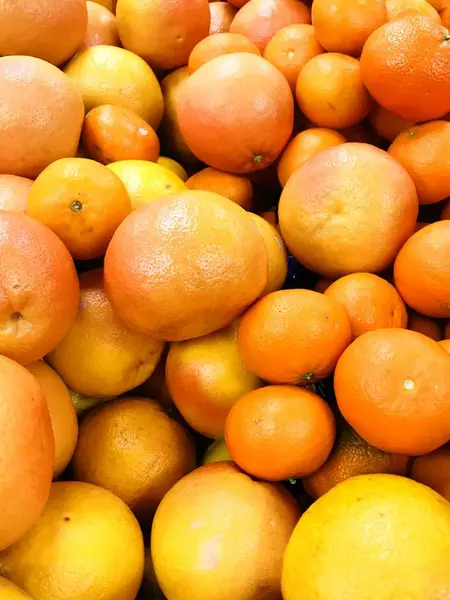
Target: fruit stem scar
x,y
307,376
447,37
16,316
76,206
408,384
257,159
412,133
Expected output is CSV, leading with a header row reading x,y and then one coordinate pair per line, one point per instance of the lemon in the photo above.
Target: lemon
x,y
216,452
174,166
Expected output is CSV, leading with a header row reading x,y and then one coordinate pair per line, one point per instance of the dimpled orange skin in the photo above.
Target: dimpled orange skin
x,y
423,151
232,98
392,387
433,469
14,192
344,26
218,45
399,9
417,87
426,253
192,261
293,336
101,27
222,15
236,188
348,209
162,33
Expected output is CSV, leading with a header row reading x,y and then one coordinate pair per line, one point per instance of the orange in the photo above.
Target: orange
x,y
422,271
203,275
113,133
217,529
350,457
100,356
218,45
39,290
216,452
52,31
348,209
132,448
238,3
304,145
205,377
109,4
445,344
89,529
375,537
392,387
236,188
14,192
232,98
293,336
433,469
27,451
422,150
82,201
330,91
417,87
110,75
387,124
399,9
174,166
280,432
9,591
276,254
445,17
101,27
425,325
222,15
170,134
156,385
260,20
41,109
162,33
344,25
291,48
439,4
371,302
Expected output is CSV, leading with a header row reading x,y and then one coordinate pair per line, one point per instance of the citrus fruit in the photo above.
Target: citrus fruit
x,y
231,98
222,15
52,31
237,188
392,387
82,202
132,448
352,456
357,219
162,33
445,16
218,529
41,109
84,403
433,469
429,327
203,274
387,124
399,9
62,414
14,192
293,336
426,253
90,529
417,87
101,27
374,537
280,432
27,454
218,45
276,254
100,356
370,301
174,166
330,91
238,3
217,452
9,591
110,75
113,133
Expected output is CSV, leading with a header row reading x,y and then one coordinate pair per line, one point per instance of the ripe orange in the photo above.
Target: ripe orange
x,y
133,449
39,290
417,87
52,31
276,254
101,27
14,192
232,98
82,201
162,33
304,145
344,25
113,133
220,530
392,387
433,469
399,9
280,432
422,150
422,270
236,188
218,45
370,301
445,17
293,336
387,124
429,327
350,457
291,48
330,91
202,276
445,344
348,209
222,15
41,109
260,20
205,377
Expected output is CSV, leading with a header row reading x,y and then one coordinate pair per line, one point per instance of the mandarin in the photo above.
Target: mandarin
x,y
387,124
101,27
237,188
218,45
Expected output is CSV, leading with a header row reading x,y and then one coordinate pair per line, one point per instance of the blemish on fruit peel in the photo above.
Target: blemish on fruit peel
x,y
408,384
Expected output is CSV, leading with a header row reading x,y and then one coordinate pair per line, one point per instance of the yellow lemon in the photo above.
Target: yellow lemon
x,y
216,452
174,166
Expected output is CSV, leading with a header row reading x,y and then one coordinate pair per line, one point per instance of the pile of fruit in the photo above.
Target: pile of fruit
x,y
225,300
